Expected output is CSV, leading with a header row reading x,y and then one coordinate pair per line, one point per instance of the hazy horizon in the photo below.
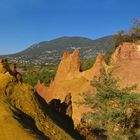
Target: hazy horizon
x,y
24,23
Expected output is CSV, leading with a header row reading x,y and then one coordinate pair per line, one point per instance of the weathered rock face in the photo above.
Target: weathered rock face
x,y
69,79
10,68
3,65
22,113
127,64
69,66
41,89
97,70
127,51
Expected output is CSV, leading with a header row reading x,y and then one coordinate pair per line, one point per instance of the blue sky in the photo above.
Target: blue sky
x,y
25,22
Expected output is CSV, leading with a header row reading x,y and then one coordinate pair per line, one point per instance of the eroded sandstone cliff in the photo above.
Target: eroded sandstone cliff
x,y
126,61
69,79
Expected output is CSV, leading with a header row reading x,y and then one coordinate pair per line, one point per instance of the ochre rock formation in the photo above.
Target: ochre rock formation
x,y
22,116
69,79
41,89
98,69
10,68
127,51
3,65
126,59
69,66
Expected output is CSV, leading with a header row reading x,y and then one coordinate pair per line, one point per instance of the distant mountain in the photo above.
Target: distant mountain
x,y
48,52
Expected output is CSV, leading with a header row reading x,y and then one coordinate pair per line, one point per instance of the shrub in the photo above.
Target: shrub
x,y
131,36
44,74
87,64
116,111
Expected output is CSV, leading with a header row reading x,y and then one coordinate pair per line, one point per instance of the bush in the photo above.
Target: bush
x,y
131,36
108,55
34,74
116,111
87,64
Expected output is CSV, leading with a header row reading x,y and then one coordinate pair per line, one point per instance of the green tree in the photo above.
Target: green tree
x,y
118,38
87,64
130,36
135,29
116,111
108,55
43,74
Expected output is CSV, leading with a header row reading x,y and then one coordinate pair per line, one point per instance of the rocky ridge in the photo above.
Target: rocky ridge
x,y
22,115
126,60
69,79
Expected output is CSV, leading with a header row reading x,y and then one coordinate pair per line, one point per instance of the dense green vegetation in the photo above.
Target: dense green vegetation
x,y
43,73
128,36
116,111
87,64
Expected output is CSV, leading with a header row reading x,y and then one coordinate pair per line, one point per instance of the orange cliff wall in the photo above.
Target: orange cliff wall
x,y
126,59
69,79
69,66
127,51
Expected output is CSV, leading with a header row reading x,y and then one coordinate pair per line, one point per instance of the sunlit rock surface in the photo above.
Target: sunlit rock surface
x,y
126,61
21,113
69,79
